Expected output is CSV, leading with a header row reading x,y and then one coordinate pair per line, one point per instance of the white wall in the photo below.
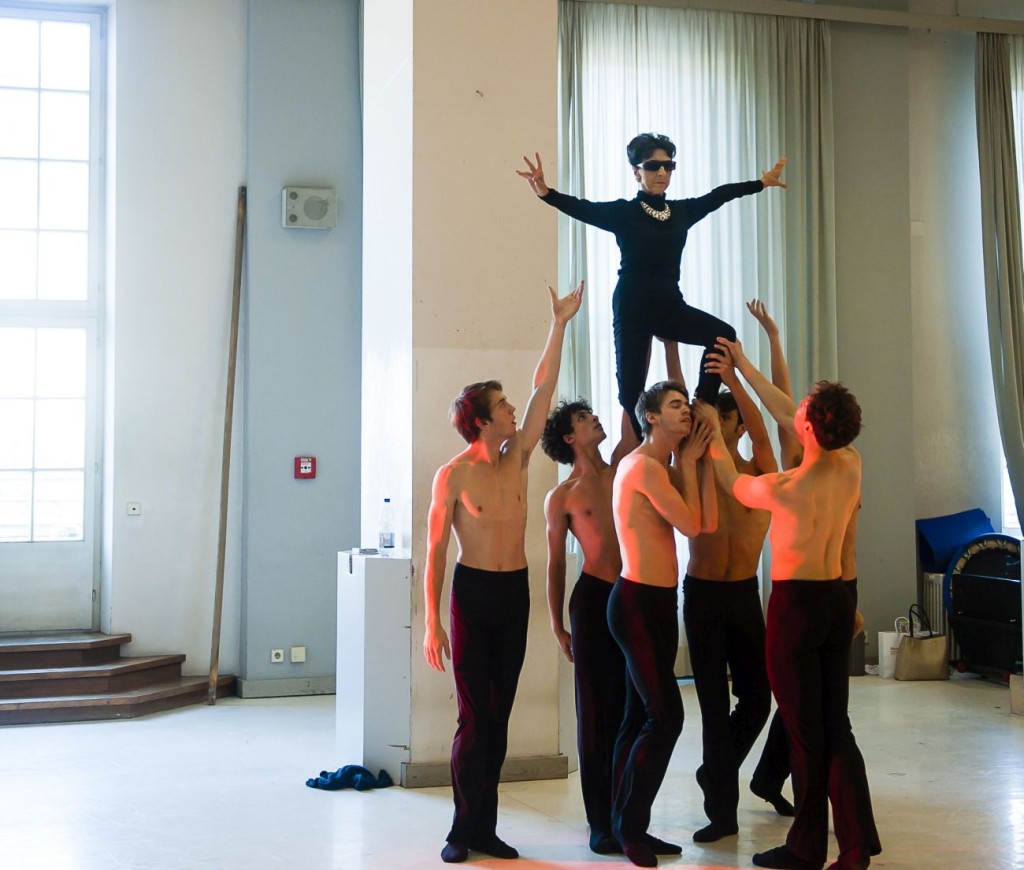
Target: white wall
x,y
302,338
457,260
179,125
873,305
957,452
387,368
913,338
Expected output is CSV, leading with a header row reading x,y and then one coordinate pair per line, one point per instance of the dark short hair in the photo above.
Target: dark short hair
x,y
725,402
558,425
651,399
834,414
642,146
470,405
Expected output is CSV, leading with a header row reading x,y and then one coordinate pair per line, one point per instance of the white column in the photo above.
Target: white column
x,y
457,256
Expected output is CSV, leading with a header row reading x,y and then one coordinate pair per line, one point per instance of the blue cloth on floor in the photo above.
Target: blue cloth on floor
x,y
350,776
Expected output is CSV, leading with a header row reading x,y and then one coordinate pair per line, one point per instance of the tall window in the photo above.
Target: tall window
x,y
49,265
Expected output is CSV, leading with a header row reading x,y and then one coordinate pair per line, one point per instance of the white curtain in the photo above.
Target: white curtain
x,y
734,92
999,83
1006,308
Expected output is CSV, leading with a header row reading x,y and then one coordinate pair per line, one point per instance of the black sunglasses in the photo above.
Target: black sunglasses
x,y
655,165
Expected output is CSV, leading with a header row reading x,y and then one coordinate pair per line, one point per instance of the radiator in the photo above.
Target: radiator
x,y
935,606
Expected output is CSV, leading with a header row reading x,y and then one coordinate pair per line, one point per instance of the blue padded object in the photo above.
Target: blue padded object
x,y
938,538
350,776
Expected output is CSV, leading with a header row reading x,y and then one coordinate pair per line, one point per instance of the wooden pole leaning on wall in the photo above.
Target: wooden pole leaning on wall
x,y
225,468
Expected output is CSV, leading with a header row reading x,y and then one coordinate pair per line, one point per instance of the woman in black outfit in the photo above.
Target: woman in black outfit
x,y
651,233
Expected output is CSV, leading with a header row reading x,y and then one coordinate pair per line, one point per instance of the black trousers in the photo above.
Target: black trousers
x,y
810,627
490,611
725,631
643,621
772,769
644,306
600,673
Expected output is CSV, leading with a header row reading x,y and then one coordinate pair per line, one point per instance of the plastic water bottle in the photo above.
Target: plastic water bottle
x,y
386,527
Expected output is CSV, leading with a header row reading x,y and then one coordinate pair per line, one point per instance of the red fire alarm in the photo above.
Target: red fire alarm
x,y
305,467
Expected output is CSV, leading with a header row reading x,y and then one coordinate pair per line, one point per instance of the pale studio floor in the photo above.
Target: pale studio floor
x,y
224,787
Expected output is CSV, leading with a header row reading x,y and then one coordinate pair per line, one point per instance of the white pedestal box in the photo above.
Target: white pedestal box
x,y
373,682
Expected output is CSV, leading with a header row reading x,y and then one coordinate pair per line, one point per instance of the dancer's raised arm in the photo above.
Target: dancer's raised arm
x,y
730,353
789,446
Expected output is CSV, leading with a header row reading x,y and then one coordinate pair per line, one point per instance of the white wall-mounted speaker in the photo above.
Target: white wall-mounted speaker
x,y
310,208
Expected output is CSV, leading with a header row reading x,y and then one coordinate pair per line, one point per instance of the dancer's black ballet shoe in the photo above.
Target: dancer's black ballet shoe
x,y
782,806
604,844
713,832
661,847
454,853
781,858
495,847
640,853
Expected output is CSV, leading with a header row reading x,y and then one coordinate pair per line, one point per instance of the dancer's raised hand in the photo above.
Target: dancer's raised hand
x,y
725,358
695,445
535,175
772,177
761,315
564,309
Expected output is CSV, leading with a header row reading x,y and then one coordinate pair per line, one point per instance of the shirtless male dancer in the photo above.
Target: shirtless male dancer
x,y
773,769
582,504
724,622
481,494
642,608
810,614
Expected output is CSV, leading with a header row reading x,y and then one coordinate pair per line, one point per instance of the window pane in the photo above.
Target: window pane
x,y
63,266
17,265
18,203
15,506
64,196
65,56
15,434
60,367
17,363
64,126
59,503
60,433
19,53
19,132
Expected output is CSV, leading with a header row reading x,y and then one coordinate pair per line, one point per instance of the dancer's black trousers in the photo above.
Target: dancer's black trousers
x,y
600,672
772,769
490,611
725,632
648,305
643,621
810,627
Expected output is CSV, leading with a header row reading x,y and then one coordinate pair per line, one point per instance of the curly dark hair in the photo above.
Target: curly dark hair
x,y
470,405
642,146
651,399
558,425
834,415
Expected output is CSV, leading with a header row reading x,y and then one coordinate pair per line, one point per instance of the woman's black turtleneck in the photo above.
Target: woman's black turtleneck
x,y
648,246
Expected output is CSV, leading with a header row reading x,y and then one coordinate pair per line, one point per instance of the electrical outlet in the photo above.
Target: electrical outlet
x,y
298,654
277,656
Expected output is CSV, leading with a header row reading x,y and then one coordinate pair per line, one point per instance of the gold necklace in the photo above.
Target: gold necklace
x,y
662,215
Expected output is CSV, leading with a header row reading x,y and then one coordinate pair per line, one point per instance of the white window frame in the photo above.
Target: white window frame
x,y
90,312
